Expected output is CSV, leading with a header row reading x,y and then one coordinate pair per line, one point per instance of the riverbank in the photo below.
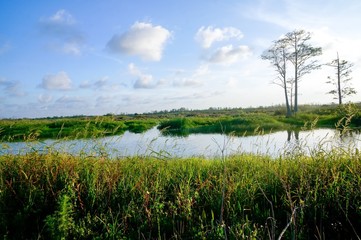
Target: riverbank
x,y
58,195
252,121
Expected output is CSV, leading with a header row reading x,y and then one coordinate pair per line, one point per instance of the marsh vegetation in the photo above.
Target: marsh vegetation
x,y
58,195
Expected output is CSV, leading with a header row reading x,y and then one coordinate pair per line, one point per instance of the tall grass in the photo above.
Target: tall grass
x,y
61,196
84,127
56,195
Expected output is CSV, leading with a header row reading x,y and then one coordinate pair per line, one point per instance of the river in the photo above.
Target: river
x,y
154,143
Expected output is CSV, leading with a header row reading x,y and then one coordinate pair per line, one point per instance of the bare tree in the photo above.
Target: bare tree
x,y
341,83
277,54
301,55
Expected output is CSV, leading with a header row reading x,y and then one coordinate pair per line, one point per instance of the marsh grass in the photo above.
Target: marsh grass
x,y
73,128
62,196
56,195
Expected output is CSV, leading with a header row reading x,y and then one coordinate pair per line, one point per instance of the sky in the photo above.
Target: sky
x,y
93,57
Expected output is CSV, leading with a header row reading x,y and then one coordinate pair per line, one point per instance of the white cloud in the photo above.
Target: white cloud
x,y
62,28
206,36
194,80
59,81
63,17
86,84
188,82
143,39
72,48
45,98
61,24
143,80
229,54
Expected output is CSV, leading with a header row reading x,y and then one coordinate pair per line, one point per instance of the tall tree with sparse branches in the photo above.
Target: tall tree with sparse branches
x,y
293,49
277,54
301,55
341,83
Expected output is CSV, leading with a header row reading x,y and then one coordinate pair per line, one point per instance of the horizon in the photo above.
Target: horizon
x,y
182,110
96,58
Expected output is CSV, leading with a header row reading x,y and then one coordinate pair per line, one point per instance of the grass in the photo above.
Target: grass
x,y
183,122
263,121
79,127
61,196
56,195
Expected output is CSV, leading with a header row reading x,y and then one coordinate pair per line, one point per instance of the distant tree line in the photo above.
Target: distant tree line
x,y
293,53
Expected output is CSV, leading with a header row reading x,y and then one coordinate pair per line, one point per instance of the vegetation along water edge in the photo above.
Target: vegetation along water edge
x,y
238,121
57,195
62,196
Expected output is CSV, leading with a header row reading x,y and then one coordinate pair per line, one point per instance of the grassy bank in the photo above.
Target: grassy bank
x,y
60,196
183,122
75,127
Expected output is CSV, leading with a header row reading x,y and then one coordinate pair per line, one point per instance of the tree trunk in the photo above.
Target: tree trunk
x,y
296,88
288,113
339,81
296,77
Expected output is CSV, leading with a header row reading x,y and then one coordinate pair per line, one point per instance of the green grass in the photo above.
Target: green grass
x,y
61,196
183,122
85,127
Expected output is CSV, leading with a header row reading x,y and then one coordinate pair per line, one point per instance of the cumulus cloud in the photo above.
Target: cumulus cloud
x,y
59,81
142,39
143,80
206,36
229,54
62,27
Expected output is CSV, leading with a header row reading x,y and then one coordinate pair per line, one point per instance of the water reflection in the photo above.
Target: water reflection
x,y
293,134
156,143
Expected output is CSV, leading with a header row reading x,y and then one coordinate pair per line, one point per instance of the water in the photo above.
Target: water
x,y
153,143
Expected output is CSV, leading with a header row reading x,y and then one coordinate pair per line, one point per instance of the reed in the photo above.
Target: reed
x,y
62,196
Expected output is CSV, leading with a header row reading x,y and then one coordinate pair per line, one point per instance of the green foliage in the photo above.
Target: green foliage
x,y
183,122
69,127
60,196
61,224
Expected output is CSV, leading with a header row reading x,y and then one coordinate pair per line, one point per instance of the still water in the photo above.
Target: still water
x,y
154,143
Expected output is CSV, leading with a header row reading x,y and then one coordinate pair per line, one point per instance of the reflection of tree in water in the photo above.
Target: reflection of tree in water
x,y
293,145
348,139
295,133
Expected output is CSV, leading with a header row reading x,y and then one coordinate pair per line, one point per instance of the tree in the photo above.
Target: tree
x,y
277,55
341,83
292,49
301,55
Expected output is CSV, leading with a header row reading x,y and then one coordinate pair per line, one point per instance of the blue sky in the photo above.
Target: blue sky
x,y
61,58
